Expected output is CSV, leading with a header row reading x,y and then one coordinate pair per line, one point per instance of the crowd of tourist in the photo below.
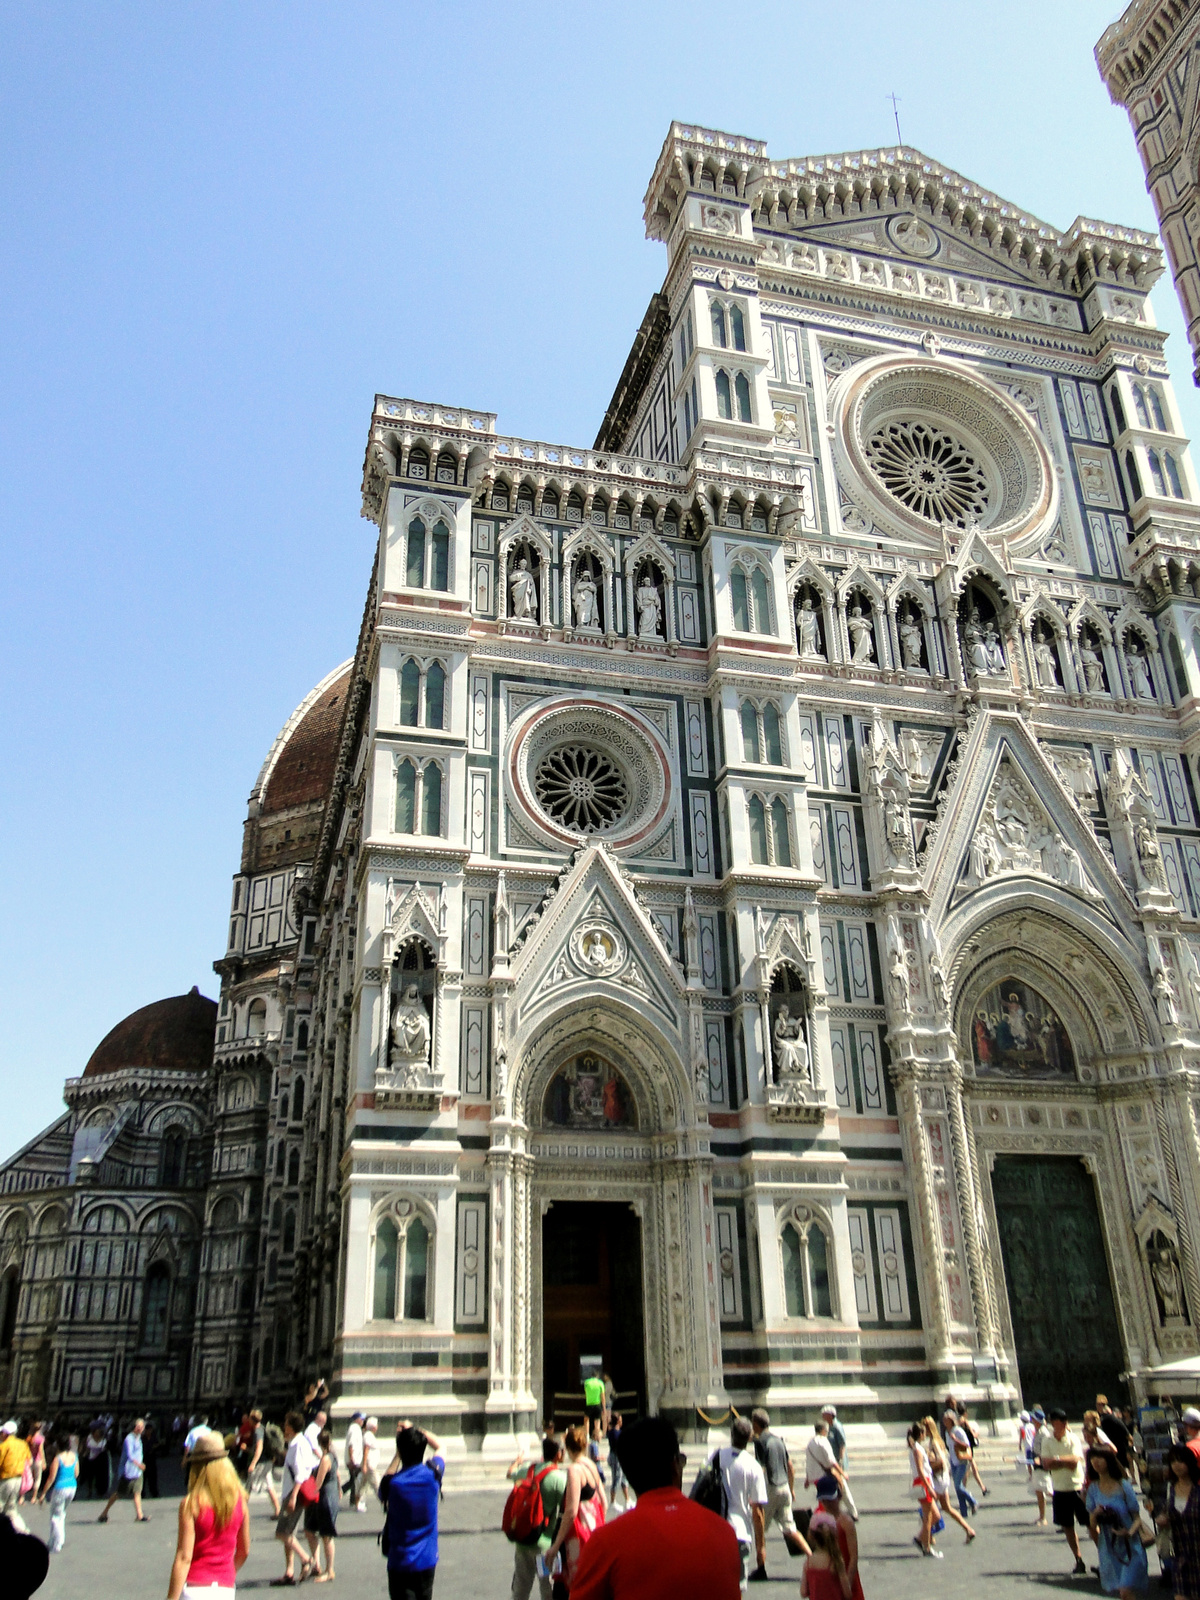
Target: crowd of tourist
x,y
585,1527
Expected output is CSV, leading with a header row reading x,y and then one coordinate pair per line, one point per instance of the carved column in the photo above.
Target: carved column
x,y
500,1221
967,1182
912,1131
1176,1118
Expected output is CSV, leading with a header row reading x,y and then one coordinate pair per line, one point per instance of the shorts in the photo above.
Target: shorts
x,y
1069,1508
779,1510
593,1413
262,1477
319,1519
287,1521
128,1487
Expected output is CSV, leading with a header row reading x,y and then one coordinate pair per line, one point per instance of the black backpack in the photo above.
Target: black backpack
x,y
709,1490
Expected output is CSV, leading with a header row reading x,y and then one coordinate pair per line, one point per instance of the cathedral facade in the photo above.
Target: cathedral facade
x,y
734,918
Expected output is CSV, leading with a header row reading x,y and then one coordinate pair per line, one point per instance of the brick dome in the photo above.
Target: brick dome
x,y
174,1035
301,765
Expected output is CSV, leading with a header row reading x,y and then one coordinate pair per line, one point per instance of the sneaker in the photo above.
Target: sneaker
x,y
759,1575
362,1507
1080,1569
936,1555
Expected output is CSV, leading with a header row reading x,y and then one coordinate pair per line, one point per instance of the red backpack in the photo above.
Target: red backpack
x,y
524,1514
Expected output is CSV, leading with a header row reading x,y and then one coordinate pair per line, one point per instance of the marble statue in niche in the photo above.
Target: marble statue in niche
x,y
1044,660
808,630
862,635
911,642
523,593
584,599
1163,1260
649,606
411,1034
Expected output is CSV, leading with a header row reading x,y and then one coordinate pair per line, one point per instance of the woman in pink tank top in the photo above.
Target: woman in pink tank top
x,y
214,1529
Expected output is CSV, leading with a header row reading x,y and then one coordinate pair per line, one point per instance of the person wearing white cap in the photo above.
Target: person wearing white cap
x,y
837,1443
370,1461
14,1455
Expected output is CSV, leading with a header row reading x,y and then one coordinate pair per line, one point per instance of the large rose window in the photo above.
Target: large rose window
x,y
925,446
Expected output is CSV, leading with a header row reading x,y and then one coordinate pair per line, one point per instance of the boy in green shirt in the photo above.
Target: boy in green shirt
x,y
554,1487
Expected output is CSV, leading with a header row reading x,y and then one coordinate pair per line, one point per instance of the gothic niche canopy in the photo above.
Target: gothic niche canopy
x,y
588,1093
1016,1032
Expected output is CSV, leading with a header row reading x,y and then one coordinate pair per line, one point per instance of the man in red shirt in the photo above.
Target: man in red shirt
x,y
667,1547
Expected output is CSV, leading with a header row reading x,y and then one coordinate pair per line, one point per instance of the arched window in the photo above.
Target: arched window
x,y
525,498
575,506
724,397
416,1269
1172,472
742,388
277,1208
779,830
737,324
740,597
415,567
272,1268
156,1303
435,696
760,601
806,1267
1118,410
440,576
256,1019
1139,405
289,1232
431,799
174,1150
1156,410
771,742
1135,481
283,1105
500,496
447,467
1156,473
387,1241
418,462
302,1038
550,505
293,1168
750,746
10,1294
280,1159
758,831
410,693
718,326
298,1100
406,797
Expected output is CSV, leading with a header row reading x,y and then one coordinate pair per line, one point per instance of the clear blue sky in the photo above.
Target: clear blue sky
x,y
225,227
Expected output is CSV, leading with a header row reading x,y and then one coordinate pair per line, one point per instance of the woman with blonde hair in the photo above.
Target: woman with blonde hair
x,y
583,1507
939,1467
214,1528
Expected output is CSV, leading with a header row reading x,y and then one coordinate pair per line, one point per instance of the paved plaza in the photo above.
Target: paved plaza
x,y
124,1562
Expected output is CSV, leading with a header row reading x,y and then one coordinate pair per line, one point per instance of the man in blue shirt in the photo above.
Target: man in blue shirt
x,y
410,1491
129,1473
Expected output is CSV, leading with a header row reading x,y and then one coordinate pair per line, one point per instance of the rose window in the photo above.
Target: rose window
x,y
581,787
929,471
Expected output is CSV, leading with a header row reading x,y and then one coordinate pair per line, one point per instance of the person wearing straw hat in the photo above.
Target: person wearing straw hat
x,y
214,1525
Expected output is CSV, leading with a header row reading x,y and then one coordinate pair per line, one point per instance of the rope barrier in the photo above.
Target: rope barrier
x,y
717,1422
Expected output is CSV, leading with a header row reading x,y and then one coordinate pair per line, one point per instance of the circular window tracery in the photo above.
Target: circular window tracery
x,y
929,471
923,445
581,787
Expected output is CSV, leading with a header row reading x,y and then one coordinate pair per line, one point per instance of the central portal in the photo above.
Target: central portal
x,y
591,1305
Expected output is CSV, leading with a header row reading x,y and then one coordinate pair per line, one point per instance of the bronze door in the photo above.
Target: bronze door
x,y
1059,1293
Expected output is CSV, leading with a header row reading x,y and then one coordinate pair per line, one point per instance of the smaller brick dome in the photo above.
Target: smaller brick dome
x,y
174,1035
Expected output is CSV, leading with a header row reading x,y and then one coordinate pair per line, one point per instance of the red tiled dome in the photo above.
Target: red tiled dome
x,y
303,771
174,1035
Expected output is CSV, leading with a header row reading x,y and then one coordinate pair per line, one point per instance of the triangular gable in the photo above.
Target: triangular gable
x,y
650,546
524,529
411,914
919,242
976,558
1010,815
595,937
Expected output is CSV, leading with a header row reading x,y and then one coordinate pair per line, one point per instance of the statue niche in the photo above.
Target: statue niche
x,y
410,1031
1162,1257
979,630
791,1058
588,1093
524,587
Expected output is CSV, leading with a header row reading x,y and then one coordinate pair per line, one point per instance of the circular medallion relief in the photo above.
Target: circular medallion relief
x,y
925,445
584,769
914,237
